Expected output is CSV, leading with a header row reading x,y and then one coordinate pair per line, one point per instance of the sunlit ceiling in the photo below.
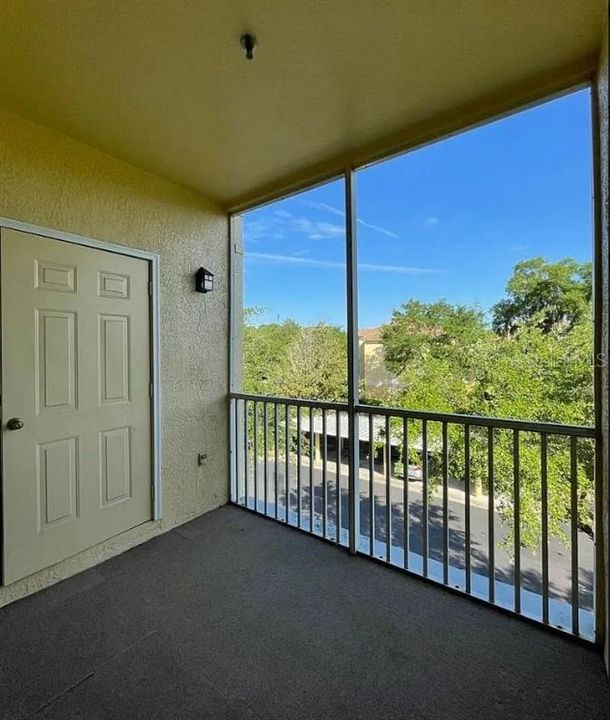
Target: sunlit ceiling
x,y
165,84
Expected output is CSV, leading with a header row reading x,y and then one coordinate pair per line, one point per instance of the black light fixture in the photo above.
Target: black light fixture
x,y
248,42
204,281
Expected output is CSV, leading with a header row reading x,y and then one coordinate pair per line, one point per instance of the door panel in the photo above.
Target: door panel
x,y
55,276
57,471
76,370
113,285
115,452
114,358
55,360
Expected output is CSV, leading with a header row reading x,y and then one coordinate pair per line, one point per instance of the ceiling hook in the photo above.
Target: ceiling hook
x,y
248,42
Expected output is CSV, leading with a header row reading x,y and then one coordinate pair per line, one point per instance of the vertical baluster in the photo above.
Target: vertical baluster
x,y
371,486
299,498
405,491
338,478
388,490
467,506
491,515
324,476
445,451
255,456
237,450
287,478
266,458
574,530
424,436
246,453
276,449
544,524
517,520
311,458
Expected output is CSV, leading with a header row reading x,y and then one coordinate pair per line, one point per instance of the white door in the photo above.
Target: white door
x,y
76,407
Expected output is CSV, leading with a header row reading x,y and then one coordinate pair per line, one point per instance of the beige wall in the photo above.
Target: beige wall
x,y
373,371
604,222
50,180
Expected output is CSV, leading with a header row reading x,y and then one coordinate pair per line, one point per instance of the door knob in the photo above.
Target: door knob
x,y
15,424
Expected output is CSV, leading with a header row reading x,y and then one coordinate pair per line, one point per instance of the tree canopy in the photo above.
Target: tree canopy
x,y
449,360
290,360
533,363
429,331
549,295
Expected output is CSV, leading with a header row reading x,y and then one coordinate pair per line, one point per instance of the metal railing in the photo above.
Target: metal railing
x,y
502,510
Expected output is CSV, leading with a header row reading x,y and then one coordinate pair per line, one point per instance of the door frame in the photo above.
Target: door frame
x,y
153,263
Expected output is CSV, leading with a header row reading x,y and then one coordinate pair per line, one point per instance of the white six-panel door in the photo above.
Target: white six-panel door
x,y
76,380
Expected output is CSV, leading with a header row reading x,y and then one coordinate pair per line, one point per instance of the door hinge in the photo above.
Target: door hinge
x,y
151,390
150,288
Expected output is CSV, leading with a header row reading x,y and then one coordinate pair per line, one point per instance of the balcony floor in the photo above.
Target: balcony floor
x,y
235,616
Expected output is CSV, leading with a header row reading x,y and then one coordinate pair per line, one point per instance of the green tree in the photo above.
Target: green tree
x,y
436,330
266,350
316,366
289,360
544,376
549,295
449,361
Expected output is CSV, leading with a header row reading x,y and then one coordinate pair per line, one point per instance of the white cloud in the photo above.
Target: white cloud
x,y
341,213
317,230
324,206
400,269
365,267
378,229
281,224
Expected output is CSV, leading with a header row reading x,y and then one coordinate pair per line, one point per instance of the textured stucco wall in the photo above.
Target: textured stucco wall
x,y
50,180
604,222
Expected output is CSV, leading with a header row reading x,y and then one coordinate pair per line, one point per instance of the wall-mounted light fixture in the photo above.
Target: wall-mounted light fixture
x,y
204,281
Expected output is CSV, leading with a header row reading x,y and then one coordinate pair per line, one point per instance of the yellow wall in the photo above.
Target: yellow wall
x,y
373,369
50,180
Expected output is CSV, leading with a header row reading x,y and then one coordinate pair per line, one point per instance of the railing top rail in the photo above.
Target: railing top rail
x,y
583,431
482,421
295,402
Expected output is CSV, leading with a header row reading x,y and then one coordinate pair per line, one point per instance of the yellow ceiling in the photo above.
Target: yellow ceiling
x,y
165,84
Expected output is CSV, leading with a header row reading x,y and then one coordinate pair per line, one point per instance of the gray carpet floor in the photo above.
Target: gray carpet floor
x,y
234,616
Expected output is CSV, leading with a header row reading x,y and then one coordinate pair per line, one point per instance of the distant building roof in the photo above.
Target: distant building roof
x,y
363,428
370,334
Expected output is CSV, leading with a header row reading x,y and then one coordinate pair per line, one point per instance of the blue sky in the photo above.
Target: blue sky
x,y
446,221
